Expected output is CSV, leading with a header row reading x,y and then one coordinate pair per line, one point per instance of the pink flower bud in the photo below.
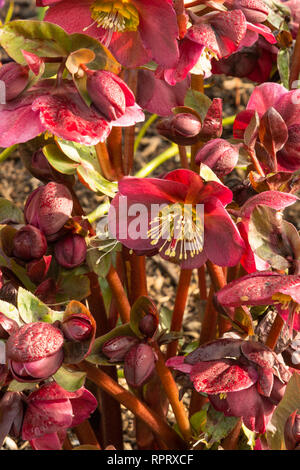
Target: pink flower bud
x,y
35,351
183,128
109,94
77,328
116,348
255,11
148,325
41,169
38,269
139,365
15,77
49,207
292,432
70,251
219,155
29,243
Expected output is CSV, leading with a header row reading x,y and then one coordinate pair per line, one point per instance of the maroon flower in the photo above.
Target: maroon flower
x,y
51,411
139,364
35,352
136,31
219,155
265,288
242,378
162,229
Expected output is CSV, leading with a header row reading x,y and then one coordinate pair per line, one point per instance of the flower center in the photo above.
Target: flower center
x,y
115,16
181,227
286,301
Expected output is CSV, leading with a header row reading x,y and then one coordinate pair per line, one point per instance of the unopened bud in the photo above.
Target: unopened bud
x,y
292,432
70,251
15,77
109,94
77,328
148,325
139,365
183,128
29,243
116,348
219,155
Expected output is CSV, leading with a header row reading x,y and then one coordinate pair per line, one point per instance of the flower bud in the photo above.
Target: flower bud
x,y
219,155
148,325
9,293
29,243
11,411
49,207
255,11
35,352
109,94
37,270
116,348
46,291
41,169
292,432
77,328
15,77
183,128
139,364
70,251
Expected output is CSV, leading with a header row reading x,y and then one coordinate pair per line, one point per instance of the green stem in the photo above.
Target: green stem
x,y
6,153
143,130
10,12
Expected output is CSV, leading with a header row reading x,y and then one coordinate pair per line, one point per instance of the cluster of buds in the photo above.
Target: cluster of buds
x,y
136,351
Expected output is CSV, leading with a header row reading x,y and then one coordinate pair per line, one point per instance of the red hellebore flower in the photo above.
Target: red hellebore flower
x,y
59,110
51,411
274,199
168,221
242,378
35,352
265,288
136,31
275,103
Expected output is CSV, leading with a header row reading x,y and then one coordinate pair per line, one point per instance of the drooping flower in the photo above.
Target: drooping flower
x,y
35,351
51,411
266,288
136,31
170,222
274,102
242,378
219,155
59,110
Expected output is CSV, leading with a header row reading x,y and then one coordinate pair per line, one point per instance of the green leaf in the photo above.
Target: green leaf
x,y
165,316
69,380
59,160
283,65
71,286
100,254
16,386
198,421
49,40
8,210
199,102
219,426
10,311
289,403
32,309
267,237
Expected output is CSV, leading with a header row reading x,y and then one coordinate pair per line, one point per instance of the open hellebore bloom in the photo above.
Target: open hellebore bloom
x,y
279,131
136,31
164,215
51,411
274,199
49,207
266,288
242,378
35,352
